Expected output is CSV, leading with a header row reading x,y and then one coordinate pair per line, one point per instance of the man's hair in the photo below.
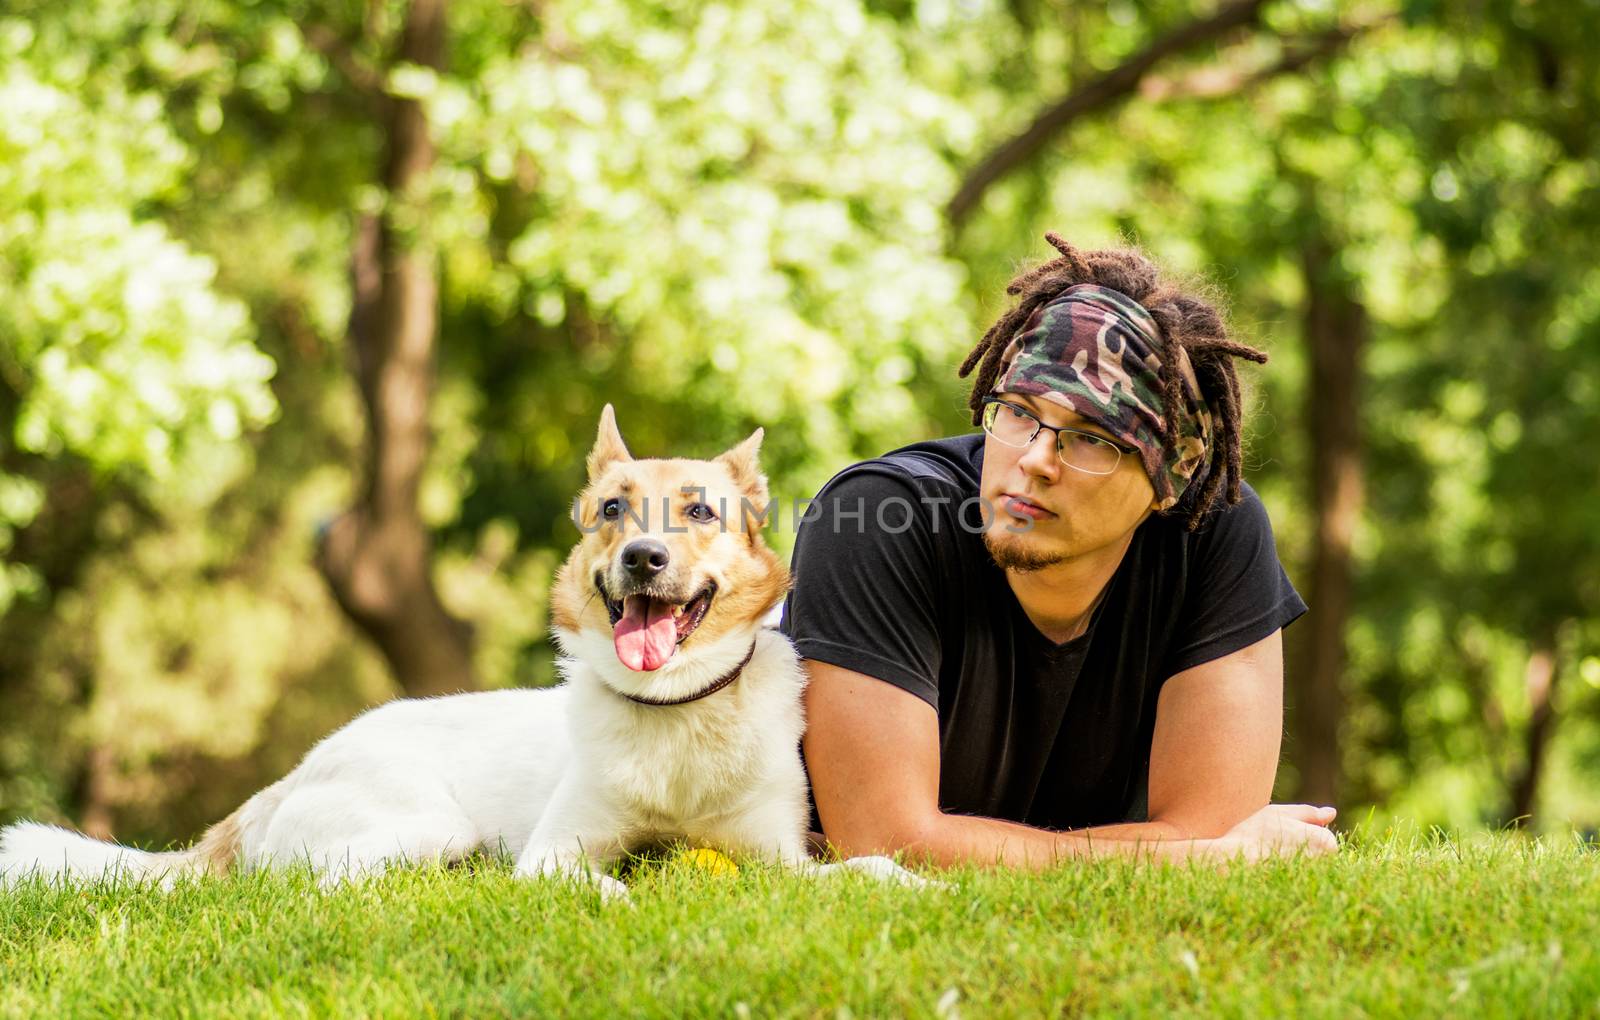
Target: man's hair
x,y
1187,321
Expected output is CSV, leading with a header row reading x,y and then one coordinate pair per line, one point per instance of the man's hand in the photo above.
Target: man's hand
x,y
1278,830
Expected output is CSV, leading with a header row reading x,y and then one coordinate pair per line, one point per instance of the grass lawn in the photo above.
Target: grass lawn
x,y
1497,926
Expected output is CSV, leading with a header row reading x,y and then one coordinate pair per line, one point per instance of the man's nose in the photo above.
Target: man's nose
x,y
1039,457
644,558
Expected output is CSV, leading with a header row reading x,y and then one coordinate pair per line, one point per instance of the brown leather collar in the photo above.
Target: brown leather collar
x,y
716,685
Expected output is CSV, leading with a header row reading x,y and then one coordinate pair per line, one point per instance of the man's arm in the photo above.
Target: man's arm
x,y
873,754
1219,728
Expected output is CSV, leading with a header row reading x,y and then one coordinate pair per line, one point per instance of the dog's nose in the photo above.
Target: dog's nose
x,y
644,558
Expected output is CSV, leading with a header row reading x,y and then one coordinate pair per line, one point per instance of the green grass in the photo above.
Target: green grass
x,y
1498,926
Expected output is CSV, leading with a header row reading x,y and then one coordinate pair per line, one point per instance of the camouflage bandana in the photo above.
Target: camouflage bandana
x,y
1093,350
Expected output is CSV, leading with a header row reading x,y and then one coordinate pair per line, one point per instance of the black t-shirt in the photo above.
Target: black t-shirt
x,y
892,580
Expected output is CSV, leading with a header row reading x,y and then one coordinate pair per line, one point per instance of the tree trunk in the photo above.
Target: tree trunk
x,y
378,555
1540,682
1335,333
96,816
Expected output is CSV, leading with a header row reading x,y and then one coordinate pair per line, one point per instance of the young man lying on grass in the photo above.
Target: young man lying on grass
x,y
1063,636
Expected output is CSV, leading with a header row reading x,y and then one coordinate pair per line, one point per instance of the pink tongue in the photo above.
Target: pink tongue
x,y
647,635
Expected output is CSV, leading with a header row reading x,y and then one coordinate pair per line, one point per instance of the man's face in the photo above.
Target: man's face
x,y
1083,512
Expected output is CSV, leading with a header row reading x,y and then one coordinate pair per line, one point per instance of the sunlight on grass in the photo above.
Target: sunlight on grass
x,y
1398,923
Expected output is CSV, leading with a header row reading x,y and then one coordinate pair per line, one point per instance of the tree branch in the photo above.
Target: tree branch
x,y
1299,52
1099,93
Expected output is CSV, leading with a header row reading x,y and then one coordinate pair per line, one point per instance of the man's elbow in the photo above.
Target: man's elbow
x,y
912,835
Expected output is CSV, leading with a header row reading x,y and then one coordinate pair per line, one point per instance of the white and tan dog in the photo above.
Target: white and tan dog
x,y
680,718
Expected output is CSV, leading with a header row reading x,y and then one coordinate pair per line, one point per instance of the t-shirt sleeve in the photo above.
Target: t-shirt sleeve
x,y
865,580
1237,590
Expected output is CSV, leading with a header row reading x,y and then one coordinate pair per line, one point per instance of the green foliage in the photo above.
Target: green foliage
x,y
685,216
119,350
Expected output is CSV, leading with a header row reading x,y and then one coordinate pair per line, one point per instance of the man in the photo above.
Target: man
x,y
1060,636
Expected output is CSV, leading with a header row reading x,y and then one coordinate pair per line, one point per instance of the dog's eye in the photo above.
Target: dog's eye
x,y
700,512
611,509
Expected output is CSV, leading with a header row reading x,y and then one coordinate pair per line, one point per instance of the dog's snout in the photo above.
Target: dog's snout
x,y
644,558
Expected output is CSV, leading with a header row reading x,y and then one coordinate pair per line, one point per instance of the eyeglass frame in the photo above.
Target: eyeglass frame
x,y
1039,426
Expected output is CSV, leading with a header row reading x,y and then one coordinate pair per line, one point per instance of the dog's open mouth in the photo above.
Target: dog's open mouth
x,y
648,630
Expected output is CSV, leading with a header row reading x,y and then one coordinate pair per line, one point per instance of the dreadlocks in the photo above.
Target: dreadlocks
x,y
1187,323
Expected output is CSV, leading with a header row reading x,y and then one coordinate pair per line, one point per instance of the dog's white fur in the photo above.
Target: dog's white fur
x,y
565,779
436,778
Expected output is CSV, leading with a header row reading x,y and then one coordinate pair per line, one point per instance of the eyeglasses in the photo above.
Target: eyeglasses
x,y
1015,425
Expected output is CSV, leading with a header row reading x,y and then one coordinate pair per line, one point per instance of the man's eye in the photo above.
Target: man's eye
x,y
1015,412
700,512
611,509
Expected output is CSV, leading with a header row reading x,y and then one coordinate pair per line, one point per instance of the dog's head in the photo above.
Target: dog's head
x,y
672,555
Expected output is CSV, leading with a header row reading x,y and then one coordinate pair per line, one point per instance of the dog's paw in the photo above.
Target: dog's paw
x,y
611,890
575,870
881,868
553,864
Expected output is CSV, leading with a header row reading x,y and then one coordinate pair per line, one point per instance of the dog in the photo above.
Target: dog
x,y
679,719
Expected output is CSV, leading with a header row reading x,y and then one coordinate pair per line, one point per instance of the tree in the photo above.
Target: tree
x,y
1335,333
378,556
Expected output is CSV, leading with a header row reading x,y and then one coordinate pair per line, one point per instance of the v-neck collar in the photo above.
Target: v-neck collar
x,y
1034,639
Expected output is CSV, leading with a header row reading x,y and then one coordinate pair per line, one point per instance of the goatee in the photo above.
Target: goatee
x,y
1011,555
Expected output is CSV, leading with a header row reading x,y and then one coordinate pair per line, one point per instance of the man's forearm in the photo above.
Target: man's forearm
x,y
948,840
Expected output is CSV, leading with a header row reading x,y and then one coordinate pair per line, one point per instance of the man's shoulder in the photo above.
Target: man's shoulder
x,y
952,462
1223,520
920,497
1245,522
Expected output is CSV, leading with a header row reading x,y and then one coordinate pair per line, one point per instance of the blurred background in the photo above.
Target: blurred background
x,y
308,310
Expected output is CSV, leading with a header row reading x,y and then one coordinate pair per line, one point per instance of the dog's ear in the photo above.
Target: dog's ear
x,y
744,463
608,445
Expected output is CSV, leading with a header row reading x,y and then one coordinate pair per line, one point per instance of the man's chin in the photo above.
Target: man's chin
x,y
1011,553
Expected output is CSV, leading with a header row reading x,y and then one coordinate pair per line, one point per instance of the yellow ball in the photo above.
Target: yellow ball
x,y
708,860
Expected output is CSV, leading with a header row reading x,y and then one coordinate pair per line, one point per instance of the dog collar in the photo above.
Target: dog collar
x,y
716,685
